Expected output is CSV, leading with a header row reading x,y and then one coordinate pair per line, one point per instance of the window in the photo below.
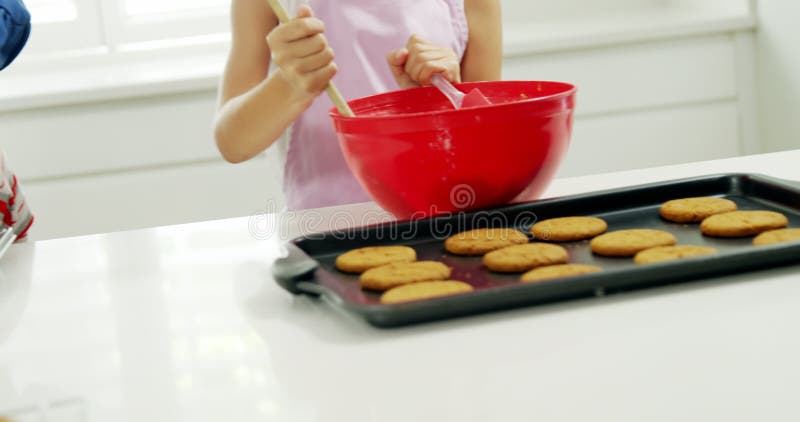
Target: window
x,y
132,22
67,27
63,25
48,11
156,7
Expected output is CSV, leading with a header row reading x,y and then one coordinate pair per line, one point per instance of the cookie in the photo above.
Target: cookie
x,y
630,242
424,290
777,236
558,271
481,241
393,275
360,260
695,210
568,229
671,253
742,223
519,258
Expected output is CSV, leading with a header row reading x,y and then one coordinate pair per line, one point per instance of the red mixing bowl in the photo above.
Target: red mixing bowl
x,y
416,156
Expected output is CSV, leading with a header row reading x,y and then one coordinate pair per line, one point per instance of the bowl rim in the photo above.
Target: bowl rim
x,y
570,89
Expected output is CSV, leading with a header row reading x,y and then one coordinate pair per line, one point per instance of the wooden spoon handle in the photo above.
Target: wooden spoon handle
x,y
333,92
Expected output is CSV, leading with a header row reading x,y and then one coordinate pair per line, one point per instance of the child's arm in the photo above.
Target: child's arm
x,y
483,58
414,64
254,109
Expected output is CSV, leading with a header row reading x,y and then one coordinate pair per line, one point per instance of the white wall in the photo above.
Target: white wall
x,y
733,7
548,10
533,11
778,70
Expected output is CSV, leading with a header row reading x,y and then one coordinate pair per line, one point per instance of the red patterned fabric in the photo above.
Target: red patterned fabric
x,y
13,206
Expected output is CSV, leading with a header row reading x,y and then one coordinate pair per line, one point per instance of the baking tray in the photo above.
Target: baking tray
x,y
308,265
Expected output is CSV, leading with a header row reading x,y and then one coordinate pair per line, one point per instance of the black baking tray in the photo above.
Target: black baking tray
x,y
308,266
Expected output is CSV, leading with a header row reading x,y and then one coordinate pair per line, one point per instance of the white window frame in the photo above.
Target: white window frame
x,y
85,32
125,31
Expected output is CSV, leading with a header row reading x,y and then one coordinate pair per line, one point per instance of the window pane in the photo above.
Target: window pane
x,y
155,7
44,11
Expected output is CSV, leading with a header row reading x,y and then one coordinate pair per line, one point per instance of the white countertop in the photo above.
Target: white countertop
x,y
185,323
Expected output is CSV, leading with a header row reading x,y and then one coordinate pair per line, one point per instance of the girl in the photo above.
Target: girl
x,y
379,44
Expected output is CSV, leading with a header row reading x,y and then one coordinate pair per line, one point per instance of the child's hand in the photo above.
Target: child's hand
x,y
302,54
414,64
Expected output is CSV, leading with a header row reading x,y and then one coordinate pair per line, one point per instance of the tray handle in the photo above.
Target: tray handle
x,y
293,268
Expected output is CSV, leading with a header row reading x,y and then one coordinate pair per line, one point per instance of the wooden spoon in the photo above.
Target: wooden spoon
x,y
333,92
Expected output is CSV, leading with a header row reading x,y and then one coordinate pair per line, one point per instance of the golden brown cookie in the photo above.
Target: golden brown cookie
x,y
481,241
558,271
568,229
630,242
671,253
360,260
695,210
742,223
424,290
392,275
519,258
777,236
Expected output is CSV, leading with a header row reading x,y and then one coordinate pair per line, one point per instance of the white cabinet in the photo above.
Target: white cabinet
x,y
132,163
639,76
71,206
109,136
652,138
658,82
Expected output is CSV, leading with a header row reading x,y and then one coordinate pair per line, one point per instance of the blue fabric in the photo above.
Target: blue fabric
x,y
15,27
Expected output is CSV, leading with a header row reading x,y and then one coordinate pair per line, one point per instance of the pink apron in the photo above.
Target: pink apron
x,y
361,33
